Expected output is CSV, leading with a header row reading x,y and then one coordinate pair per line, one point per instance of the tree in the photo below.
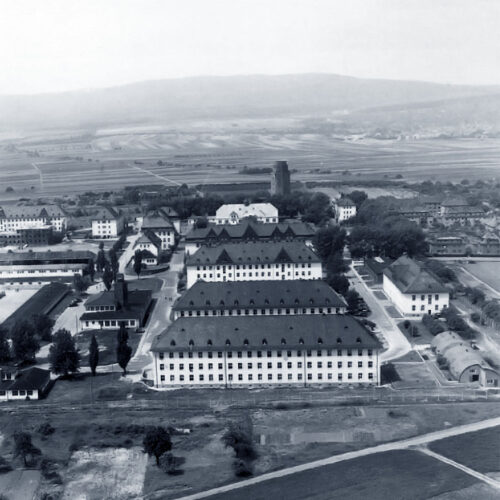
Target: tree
x,y
123,350
358,197
64,357
329,240
5,354
107,277
93,355
91,269
170,463
352,298
138,262
156,442
101,259
335,264
43,326
113,259
24,447
338,282
25,343
79,283
201,223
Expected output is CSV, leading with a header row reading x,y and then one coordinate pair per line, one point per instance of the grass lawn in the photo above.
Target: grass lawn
x,y
489,272
411,356
106,340
477,450
423,335
395,474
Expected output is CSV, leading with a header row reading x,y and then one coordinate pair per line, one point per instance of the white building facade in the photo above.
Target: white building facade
x,y
107,223
234,213
262,358
13,218
345,209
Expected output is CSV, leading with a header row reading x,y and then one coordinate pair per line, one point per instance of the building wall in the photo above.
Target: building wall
x,y
12,224
237,220
108,324
258,272
259,312
266,367
411,304
344,213
107,228
28,272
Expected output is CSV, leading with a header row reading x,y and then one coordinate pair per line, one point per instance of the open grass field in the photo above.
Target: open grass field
x,y
486,271
192,154
478,450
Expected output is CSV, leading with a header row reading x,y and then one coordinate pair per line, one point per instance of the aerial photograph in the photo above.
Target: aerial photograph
x,y
250,250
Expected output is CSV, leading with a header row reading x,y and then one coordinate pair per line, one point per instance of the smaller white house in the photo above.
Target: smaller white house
x,y
107,223
235,212
413,289
150,246
345,209
32,383
161,226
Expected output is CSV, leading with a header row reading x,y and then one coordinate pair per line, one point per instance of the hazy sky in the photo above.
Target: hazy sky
x,y
53,45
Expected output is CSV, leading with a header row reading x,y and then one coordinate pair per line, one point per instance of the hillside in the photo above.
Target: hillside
x,y
167,101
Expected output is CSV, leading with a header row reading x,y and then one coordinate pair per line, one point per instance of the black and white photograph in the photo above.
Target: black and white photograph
x,y
249,249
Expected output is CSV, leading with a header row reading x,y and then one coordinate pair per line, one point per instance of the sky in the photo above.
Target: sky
x,y
59,45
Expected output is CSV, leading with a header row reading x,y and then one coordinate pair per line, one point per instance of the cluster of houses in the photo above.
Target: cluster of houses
x,y
256,312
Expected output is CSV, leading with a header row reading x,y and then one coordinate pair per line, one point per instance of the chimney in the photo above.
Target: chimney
x,y
121,292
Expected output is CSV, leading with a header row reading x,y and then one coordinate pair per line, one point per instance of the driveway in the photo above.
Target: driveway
x,y
397,343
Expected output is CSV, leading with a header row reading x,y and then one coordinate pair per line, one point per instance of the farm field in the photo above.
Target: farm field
x,y
405,474
486,271
477,450
111,159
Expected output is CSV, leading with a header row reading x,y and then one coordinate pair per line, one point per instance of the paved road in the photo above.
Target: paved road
x,y
127,255
422,440
398,344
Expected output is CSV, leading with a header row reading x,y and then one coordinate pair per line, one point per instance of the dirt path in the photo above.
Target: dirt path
x,y
421,440
471,472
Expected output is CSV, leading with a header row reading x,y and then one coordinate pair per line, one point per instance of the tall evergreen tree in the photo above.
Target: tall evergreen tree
x,y
138,262
107,277
101,260
113,260
25,343
123,350
5,354
93,355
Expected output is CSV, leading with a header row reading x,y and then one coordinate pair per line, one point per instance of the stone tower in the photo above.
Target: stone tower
x,y
280,180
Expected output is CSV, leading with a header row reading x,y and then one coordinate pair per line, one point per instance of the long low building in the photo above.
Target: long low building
x,y
107,309
37,267
248,231
253,298
255,261
29,217
265,350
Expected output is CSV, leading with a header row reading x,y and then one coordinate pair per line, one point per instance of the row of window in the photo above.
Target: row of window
x,y
429,297
111,322
18,393
269,354
279,365
250,312
251,275
422,307
251,266
290,377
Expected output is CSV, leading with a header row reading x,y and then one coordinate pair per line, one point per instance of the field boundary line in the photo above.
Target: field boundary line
x,y
395,445
463,468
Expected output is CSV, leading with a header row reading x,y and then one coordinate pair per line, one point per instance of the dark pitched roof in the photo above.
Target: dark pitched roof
x,y
258,295
263,332
105,213
31,379
412,277
251,230
148,237
168,212
155,220
253,252
136,298
42,257
31,212
345,202
378,264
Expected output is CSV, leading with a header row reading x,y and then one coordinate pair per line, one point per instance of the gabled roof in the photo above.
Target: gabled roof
x,y
345,202
378,264
148,237
454,202
168,212
258,295
318,331
242,210
31,212
105,213
254,253
136,298
252,230
31,379
154,220
410,276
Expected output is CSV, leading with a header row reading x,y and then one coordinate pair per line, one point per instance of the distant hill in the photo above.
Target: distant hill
x,y
230,97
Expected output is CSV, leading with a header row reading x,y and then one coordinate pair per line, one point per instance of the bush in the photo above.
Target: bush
x,y
475,317
4,466
48,468
45,429
242,468
170,464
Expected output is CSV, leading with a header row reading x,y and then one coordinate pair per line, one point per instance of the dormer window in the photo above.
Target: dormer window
x,y
264,342
320,340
